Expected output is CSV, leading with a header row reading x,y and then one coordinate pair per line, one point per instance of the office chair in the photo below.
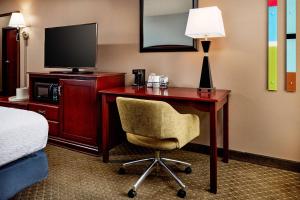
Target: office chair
x,y
156,125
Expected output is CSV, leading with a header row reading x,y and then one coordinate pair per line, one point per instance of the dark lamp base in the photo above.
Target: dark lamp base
x,y
207,90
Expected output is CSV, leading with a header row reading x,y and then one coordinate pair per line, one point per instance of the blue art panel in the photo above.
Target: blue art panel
x,y
291,55
291,46
273,24
291,16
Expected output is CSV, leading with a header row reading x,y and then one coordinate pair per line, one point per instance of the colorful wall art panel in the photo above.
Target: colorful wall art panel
x,y
291,63
272,46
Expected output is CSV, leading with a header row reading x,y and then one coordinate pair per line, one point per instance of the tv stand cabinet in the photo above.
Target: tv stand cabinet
x,y
75,121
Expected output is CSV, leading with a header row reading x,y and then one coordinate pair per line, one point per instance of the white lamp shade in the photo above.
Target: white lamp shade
x,y
17,20
205,23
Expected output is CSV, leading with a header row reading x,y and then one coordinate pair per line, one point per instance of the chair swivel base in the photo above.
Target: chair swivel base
x,y
157,160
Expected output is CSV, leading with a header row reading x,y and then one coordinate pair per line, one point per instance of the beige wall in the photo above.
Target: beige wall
x,y
261,122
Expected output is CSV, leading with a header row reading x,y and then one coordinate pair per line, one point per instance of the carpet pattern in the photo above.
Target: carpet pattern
x,y
74,175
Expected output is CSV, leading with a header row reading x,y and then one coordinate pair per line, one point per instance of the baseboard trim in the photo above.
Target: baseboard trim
x,y
89,149
248,157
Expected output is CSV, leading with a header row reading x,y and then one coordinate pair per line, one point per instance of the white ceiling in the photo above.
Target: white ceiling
x,y
166,7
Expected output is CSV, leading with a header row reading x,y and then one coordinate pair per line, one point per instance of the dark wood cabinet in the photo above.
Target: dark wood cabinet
x,y
50,112
54,128
78,101
74,121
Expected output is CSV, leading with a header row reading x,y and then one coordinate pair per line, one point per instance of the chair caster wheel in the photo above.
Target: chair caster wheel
x,y
181,193
132,193
121,171
188,170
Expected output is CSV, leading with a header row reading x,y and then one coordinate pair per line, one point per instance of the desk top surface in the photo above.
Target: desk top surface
x,y
191,94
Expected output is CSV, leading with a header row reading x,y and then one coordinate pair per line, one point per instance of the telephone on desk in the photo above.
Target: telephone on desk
x,y
154,81
157,81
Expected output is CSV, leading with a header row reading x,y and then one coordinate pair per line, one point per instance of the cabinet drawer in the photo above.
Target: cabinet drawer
x,y
48,111
53,128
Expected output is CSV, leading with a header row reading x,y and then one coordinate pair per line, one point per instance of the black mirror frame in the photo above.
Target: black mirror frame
x,y
164,48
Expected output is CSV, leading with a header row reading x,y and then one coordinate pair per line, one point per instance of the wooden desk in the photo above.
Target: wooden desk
x,y
207,102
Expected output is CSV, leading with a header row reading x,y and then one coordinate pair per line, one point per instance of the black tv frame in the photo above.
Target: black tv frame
x,y
74,70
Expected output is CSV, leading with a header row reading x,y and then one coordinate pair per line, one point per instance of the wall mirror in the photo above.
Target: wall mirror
x,y
162,25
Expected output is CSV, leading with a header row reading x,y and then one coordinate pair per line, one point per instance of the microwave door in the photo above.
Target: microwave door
x,y
43,92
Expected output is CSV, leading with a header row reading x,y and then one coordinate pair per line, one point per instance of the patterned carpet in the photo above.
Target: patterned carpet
x,y
75,175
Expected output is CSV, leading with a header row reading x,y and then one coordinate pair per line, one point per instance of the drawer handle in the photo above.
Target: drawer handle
x,y
42,112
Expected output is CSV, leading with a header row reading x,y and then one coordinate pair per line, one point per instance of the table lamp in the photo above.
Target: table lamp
x,y
205,23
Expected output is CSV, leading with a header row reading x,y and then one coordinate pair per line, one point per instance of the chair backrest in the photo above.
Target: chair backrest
x,y
144,117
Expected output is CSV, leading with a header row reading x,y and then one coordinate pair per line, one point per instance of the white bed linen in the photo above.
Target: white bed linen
x,y
22,132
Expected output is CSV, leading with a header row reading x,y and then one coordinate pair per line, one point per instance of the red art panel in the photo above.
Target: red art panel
x,y
272,3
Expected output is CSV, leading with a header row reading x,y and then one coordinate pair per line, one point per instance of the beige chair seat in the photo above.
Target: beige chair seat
x,y
158,144
156,125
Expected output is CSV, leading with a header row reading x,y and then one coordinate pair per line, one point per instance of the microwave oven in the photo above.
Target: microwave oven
x,y
48,92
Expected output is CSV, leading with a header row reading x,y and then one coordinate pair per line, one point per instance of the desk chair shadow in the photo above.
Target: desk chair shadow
x,y
156,125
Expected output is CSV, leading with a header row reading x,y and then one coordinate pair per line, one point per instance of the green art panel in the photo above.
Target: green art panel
x,y
272,68
272,44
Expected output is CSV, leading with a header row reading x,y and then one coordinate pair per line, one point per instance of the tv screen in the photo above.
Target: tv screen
x,y
71,46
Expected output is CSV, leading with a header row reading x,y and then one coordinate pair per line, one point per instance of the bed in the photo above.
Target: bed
x,y
23,162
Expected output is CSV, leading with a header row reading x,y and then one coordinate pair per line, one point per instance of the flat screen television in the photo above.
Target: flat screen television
x,y
71,46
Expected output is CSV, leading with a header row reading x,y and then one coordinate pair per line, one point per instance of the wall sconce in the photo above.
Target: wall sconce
x,y
17,21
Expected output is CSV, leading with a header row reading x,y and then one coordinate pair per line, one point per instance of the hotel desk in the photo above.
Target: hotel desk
x,y
206,102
